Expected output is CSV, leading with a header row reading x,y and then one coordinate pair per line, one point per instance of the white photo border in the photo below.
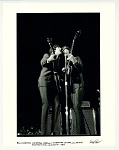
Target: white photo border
x,y
107,27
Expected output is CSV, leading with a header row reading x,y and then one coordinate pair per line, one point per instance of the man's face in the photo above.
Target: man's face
x,y
58,51
66,52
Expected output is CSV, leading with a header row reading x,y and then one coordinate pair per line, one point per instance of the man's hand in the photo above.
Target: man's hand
x,y
71,58
51,58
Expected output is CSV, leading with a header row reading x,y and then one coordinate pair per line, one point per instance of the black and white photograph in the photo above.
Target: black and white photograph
x,y
58,74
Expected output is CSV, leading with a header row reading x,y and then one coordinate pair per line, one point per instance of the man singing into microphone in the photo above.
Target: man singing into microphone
x,y
49,89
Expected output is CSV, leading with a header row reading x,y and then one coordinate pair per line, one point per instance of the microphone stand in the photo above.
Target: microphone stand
x,y
66,97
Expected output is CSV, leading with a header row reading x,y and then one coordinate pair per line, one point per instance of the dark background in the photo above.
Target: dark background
x,y
32,32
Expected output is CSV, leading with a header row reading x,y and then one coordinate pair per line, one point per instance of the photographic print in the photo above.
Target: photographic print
x,y
58,73
52,101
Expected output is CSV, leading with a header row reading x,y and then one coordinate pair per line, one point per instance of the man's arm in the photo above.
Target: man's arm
x,y
76,61
47,59
44,60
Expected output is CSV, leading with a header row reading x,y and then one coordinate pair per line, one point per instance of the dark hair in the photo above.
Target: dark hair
x,y
65,47
54,47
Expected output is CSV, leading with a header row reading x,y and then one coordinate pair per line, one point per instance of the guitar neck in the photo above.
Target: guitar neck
x,y
49,40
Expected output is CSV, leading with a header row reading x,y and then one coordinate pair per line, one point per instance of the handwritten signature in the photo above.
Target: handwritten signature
x,y
95,141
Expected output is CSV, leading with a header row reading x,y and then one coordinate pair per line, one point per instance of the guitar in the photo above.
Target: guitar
x,y
49,40
56,75
68,72
77,34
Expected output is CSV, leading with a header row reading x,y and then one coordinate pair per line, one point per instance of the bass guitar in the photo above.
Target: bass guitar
x,y
56,75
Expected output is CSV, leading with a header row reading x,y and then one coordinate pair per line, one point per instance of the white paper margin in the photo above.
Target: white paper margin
x,y
107,51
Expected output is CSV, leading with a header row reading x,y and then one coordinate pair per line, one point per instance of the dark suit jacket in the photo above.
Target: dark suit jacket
x,y
77,71
46,75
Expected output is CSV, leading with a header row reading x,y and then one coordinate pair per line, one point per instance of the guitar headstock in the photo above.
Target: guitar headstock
x,y
49,40
77,34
